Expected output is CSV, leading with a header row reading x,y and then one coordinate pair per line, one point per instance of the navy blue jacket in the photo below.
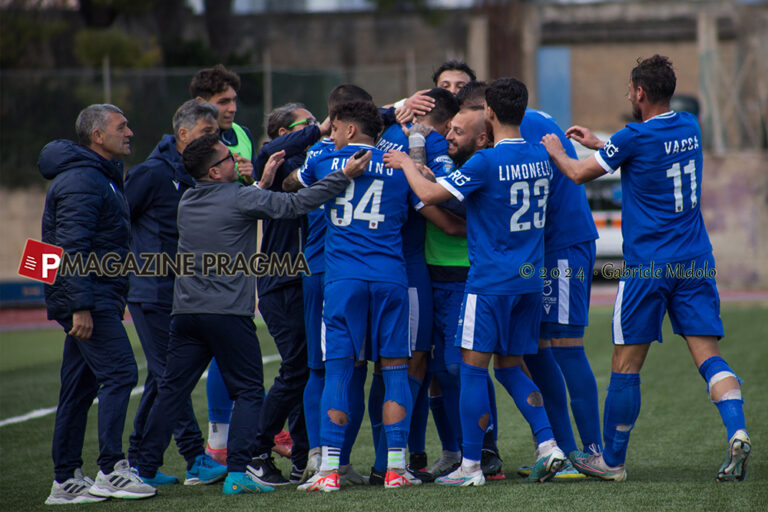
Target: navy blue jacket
x,y
153,189
283,235
85,212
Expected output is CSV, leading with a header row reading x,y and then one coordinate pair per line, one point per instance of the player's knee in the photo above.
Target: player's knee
x,y
338,417
535,399
483,421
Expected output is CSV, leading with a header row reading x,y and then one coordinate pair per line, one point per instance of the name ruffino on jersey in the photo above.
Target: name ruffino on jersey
x,y
514,172
373,167
681,145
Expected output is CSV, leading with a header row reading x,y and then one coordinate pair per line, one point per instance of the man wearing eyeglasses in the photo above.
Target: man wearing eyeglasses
x,y
213,309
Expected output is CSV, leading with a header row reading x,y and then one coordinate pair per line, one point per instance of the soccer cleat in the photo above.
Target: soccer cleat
x,y
594,465
524,471
396,478
263,470
238,482
205,471
550,459
490,463
122,482
445,464
322,481
418,461
217,454
313,464
160,479
377,477
73,490
734,467
348,476
461,478
283,444
568,472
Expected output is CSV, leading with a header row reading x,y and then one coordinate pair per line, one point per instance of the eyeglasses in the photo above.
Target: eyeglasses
x,y
310,121
229,156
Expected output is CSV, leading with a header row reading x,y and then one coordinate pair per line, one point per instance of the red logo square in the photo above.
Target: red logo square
x,y
40,261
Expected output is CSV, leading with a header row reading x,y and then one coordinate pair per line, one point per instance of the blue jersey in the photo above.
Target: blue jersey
x,y
506,190
441,164
661,163
314,249
569,219
363,224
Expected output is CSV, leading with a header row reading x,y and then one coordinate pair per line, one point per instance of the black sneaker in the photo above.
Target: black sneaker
x,y
377,477
490,462
418,462
263,470
296,474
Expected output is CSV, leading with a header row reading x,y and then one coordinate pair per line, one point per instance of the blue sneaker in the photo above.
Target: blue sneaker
x,y
160,479
204,471
238,482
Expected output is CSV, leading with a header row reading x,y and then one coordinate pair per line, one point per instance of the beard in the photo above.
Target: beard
x,y
461,155
636,113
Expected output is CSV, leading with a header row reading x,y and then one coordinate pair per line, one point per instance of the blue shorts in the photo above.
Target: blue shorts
x,y
500,324
692,302
447,304
567,285
365,320
312,287
420,307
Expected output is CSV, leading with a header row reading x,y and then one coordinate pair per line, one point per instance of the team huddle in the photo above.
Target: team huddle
x,y
415,220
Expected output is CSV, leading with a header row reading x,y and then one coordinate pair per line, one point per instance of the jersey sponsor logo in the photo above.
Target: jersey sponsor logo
x,y
458,178
610,149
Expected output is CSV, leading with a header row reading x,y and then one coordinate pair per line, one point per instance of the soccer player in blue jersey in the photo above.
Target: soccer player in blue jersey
x,y
429,139
669,266
505,189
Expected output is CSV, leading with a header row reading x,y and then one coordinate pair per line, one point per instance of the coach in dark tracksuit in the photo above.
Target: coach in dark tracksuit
x,y
153,189
86,213
213,314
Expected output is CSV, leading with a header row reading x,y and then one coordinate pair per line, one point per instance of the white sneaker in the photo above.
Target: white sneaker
x,y
396,478
122,482
348,476
461,478
73,490
446,463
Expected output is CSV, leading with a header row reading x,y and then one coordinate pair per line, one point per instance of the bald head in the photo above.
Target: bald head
x,y
467,135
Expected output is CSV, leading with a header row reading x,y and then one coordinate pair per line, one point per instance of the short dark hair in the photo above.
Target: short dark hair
x,y
210,81
453,65
657,78
282,117
508,98
345,93
363,113
199,155
472,94
445,107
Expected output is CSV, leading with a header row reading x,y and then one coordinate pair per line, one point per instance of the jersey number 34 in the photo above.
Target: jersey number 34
x,y
367,209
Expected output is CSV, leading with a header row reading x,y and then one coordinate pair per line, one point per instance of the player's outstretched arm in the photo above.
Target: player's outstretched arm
x,y
578,171
429,192
357,165
584,136
449,223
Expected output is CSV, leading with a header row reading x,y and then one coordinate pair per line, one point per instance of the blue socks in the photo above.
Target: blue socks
x,y
396,389
474,405
219,404
731,409
490,440
622,406
357,410
547,376
445,411
313,393
375,404
582,389
418,432
338,376
520,387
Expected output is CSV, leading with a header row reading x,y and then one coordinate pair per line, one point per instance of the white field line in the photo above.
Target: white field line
x,y
39,413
